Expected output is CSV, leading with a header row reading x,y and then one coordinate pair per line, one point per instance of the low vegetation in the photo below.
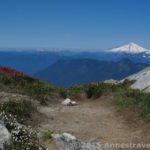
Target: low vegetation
x,y
15,113
10,72
23,137
76,90
26,85
47,135
124,96
20,109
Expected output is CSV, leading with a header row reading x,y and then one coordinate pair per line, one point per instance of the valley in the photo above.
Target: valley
x,y
67,73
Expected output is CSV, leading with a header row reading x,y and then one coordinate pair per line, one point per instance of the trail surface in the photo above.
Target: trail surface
x,y
97,119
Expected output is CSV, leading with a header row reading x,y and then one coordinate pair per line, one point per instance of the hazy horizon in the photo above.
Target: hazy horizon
x,y
56,49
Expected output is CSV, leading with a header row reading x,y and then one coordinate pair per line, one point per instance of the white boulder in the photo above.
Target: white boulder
x,y
142,80
68,136
69,102
67,141
73,103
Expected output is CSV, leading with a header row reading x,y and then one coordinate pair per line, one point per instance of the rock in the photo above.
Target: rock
x,y
112,81
73,103
69,102
142,80
5,136
67,141
69,137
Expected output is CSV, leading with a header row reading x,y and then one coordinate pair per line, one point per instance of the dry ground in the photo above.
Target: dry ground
x,y
98,119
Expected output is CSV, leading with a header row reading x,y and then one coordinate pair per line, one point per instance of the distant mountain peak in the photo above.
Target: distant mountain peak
x,y
130,48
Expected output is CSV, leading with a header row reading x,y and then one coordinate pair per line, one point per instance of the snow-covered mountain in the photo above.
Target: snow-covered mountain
x,y
142,80
132,51
131,48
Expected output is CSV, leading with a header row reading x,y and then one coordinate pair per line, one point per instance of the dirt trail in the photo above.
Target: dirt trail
x,y
93,119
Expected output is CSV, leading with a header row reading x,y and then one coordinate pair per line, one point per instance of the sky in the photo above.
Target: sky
x,y
85,24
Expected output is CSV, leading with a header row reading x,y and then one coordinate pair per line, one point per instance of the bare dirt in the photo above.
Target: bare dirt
x,y
98,119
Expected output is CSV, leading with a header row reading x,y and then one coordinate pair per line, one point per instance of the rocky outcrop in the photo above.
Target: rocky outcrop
x,y
142,80
112,81
67,141
4,135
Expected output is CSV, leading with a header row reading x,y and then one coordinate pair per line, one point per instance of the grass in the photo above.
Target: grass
x,y
21,109
26,85
14,112
124,96
76,90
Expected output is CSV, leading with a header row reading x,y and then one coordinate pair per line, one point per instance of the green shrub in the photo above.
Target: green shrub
x,y
77,89
94,91
26,85
97,90
63,93
5,80
129,97
47,135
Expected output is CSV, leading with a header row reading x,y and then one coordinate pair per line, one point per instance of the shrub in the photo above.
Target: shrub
x,y
47,135
77,89
21,109
23,138
144,106
97,90
129,97
94,91
63,93
5,80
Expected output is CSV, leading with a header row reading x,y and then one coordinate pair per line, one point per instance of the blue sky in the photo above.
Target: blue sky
x,y
74,23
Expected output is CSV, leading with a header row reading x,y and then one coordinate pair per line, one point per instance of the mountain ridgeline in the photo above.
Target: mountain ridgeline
x,y
68,67
31,61
66,73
